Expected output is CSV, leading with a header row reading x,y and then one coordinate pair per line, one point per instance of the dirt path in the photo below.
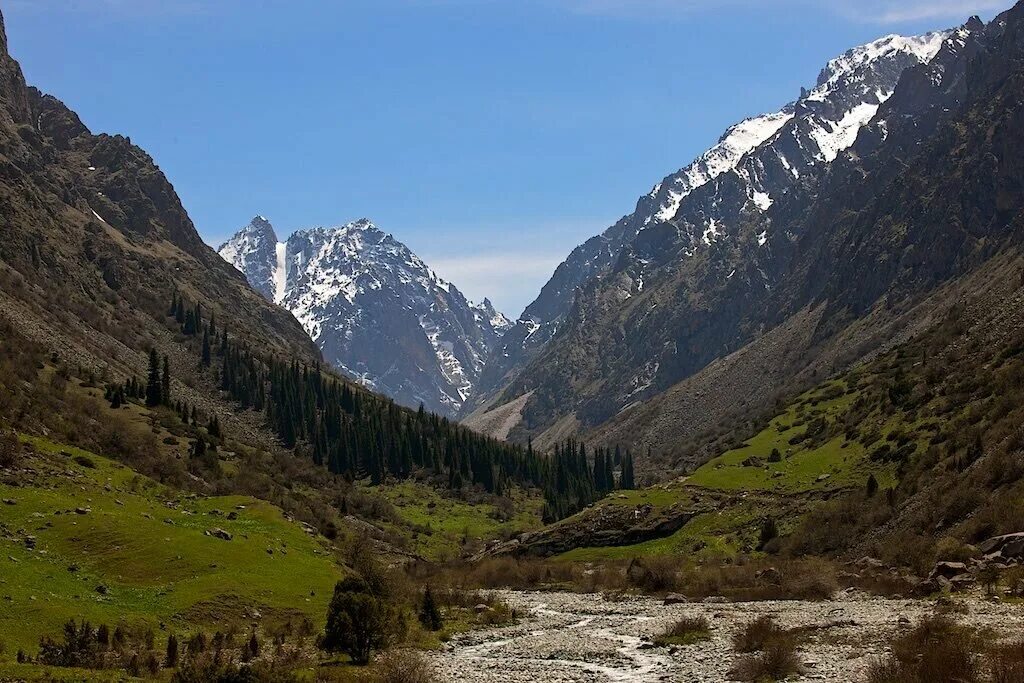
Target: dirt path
x,y
570,637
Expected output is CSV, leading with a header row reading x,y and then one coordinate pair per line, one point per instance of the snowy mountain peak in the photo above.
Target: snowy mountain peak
x,y
923,48
376,310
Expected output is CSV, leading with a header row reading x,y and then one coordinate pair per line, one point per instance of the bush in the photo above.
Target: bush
x,y
937,650
359,620
776,662
685,631
758,634
10,450
403,666
1006,663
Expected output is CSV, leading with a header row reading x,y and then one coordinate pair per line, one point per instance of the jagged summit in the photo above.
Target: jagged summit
x,y
376,310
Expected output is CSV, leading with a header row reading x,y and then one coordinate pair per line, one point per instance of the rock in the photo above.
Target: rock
x,y
675,599
82,511
30,542
1007,545
217,532
769,575
903,620
10,501
102,589
822,477
481,608
232,515
714,600
867,562
947,570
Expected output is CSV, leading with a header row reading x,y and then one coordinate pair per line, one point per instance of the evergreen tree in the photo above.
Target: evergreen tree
x,y
154,393
165,382
430,615
206,348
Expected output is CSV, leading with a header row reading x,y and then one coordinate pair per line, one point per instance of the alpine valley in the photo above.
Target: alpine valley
x,y
765,427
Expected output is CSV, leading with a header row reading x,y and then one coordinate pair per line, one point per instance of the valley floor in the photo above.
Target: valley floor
x,y
584,637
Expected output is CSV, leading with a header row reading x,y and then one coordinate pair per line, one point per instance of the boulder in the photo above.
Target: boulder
x,y
769,575
947,570
1007,545
481,608
675,599
867,562
217,532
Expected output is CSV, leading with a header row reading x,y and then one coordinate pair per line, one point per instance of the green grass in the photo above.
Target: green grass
x,y
712,535
148,547
440,524
835,464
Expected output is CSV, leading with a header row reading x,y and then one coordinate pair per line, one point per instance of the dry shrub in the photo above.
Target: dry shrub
x,y
403,666
758,634
654,574
804,579
1006,663
776,662
937,650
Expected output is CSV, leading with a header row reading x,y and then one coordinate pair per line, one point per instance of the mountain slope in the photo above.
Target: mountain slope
x,y
374,308
866,257
755,162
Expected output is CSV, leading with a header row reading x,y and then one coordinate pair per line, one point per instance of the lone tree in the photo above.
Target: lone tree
x,y
358,620
429,615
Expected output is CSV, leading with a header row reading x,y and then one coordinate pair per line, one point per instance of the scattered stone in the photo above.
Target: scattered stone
x,y
217,532
675,599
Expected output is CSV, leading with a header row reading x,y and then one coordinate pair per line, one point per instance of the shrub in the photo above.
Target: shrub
x,y
359,620
403,666
685,631
937,650
1006,663
776,662
10,450
758,634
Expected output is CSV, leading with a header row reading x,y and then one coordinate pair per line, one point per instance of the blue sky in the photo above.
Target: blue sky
x,y
491,136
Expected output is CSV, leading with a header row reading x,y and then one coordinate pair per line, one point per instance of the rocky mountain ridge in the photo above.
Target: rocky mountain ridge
x,y
753,164
374,308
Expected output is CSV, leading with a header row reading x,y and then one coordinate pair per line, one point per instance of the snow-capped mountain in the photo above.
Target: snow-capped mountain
x,y
374,308
755,162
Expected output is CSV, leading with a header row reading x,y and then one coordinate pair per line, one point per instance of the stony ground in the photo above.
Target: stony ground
x,y
572,637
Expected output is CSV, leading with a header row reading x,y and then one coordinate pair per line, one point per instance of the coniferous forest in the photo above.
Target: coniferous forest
x,y
359,435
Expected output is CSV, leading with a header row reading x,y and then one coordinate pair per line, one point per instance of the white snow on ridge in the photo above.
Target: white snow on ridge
x,y
737,141
923,47
833,138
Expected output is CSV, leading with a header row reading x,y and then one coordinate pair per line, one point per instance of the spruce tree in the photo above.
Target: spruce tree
x,y
154,394
165,382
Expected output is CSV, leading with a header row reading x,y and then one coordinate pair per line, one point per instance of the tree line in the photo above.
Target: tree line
x,y
357,434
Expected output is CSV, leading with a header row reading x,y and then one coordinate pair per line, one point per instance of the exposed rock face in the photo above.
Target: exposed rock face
x,y
754,163
690,328
95,242
374,308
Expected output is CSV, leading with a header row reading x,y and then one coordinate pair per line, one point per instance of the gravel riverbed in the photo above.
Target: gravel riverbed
x,y
566,637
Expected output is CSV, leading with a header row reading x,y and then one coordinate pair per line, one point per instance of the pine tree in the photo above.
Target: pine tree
x,y
430,616
206,348
165,382
154,394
